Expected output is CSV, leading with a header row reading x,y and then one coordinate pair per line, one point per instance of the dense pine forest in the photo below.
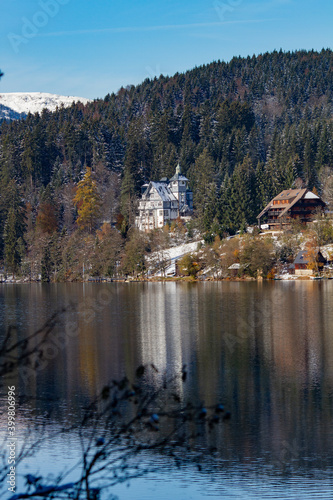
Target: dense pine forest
x,y
242,131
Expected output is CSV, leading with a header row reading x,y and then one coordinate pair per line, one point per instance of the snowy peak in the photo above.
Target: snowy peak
x,y
16,105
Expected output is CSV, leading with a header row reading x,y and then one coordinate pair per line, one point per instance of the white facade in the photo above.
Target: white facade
x,y
163,202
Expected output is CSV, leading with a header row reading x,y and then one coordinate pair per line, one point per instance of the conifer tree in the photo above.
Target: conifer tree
x,y
246,107
242,195
13,242
261,188
204,189
88,202
47,213
14,228
134,164
128,194
46,265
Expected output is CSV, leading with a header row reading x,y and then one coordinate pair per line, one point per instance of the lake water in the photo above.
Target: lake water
x,y
263,349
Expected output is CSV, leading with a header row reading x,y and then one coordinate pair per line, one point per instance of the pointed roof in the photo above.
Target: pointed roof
x,y
178,175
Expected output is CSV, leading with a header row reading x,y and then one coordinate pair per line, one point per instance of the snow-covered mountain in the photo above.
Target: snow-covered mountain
x,y
16,105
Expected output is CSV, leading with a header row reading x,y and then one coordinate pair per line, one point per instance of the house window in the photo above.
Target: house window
x,y
161,212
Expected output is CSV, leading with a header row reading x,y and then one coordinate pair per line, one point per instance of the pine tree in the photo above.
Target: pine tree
x,y
136,171
261,189
14,228
202,178
128,194
242,193
47,213
46,265
211,209
13,242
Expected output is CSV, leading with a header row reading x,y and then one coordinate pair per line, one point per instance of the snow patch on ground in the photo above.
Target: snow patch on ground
x,y
174,253
35,102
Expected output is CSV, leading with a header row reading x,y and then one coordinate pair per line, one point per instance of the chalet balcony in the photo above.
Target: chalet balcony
x,y
274,212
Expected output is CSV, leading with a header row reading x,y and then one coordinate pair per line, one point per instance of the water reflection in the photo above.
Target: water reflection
x,y
264,349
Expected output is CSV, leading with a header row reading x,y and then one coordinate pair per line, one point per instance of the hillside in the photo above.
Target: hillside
x,y
15,105
242,131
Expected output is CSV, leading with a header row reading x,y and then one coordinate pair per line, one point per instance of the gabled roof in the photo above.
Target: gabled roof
x,y
163,191
311,196
302,257
292,196
235,266
298,194
144,188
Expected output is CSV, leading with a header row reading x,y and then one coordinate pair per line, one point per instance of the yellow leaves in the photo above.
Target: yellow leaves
x,y
188,266
271,274
236,253
87,201
312,254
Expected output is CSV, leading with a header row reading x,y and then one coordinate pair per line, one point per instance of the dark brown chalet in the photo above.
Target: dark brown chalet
x,y
291,204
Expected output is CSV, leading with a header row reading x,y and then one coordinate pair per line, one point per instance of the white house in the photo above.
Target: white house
x,y
164,201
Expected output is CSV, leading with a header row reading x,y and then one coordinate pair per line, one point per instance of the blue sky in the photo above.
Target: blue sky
x,y
89,48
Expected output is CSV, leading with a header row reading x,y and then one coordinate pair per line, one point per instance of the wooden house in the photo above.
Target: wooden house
x,y
291,204
306,265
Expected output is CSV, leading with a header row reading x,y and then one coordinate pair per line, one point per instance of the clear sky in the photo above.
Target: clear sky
x,y
89,48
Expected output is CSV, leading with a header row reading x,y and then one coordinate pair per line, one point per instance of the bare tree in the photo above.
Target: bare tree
x,y
159,258
125,421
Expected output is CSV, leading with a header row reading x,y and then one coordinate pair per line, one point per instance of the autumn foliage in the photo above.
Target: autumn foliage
x,y
88,202
47,218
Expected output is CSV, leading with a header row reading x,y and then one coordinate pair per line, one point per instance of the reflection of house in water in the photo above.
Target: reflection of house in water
x,y
290,204
164,201
294,342
160,328
168,317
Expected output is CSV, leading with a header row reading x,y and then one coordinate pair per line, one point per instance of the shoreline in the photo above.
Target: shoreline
x,y
185,279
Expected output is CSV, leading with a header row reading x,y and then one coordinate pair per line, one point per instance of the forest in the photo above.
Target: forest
x,y
242,131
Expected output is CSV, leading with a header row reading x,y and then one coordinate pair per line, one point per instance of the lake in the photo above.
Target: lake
x,y
263,349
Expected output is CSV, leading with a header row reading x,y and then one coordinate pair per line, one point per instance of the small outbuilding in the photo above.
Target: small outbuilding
x,y
306,264
234,269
